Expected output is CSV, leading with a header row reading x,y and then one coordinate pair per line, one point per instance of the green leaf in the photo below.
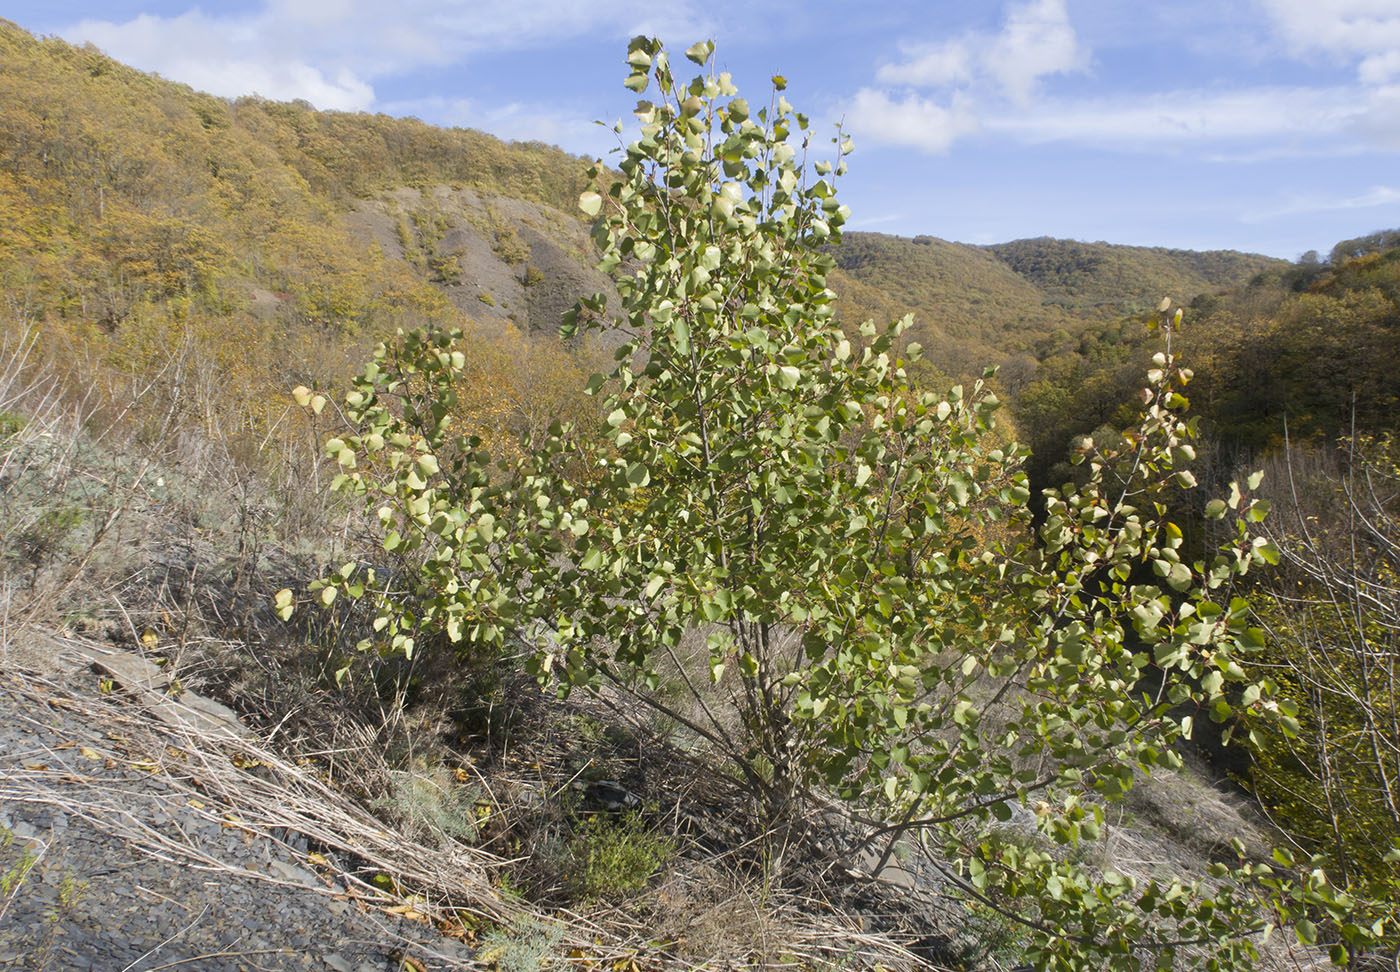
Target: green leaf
x,y
1179,577
590,202
680,333
700,53
1306,931
959,488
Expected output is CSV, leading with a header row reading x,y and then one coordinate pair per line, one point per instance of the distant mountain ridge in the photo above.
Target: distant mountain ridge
x,y
979,305
1123,278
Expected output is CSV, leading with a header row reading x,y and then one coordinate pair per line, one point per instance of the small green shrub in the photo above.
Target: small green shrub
x,y
763,472
411,252
614,856
38,949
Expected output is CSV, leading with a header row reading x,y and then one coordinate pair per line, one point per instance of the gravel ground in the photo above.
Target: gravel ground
x,y
132,871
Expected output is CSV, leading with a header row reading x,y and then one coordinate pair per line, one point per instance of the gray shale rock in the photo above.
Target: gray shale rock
x,y
95,899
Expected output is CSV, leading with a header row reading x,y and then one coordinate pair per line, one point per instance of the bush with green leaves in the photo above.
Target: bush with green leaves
x,y
885,629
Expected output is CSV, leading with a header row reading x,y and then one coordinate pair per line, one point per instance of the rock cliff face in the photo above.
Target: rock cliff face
x,y
497,258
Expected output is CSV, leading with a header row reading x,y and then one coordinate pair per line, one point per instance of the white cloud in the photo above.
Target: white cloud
x,y
1380,68
1036,40
331,52
973,74
912,120
1380,123
221,56
1367,31
929,67
999,84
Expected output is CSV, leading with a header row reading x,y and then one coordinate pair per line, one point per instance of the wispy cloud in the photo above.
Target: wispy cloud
x,y
520,121
1300,116
930,66
1035,41
331,52
909,120
1373,198
226,57
868,222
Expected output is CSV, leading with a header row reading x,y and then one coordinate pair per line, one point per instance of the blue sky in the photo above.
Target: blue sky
x,y
1263,125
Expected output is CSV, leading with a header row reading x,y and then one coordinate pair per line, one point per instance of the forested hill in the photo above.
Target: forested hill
x,y
1308,350
1115,280
266,245
121,191
977,305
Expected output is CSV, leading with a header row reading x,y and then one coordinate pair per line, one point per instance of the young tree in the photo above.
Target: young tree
x,y
881,623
